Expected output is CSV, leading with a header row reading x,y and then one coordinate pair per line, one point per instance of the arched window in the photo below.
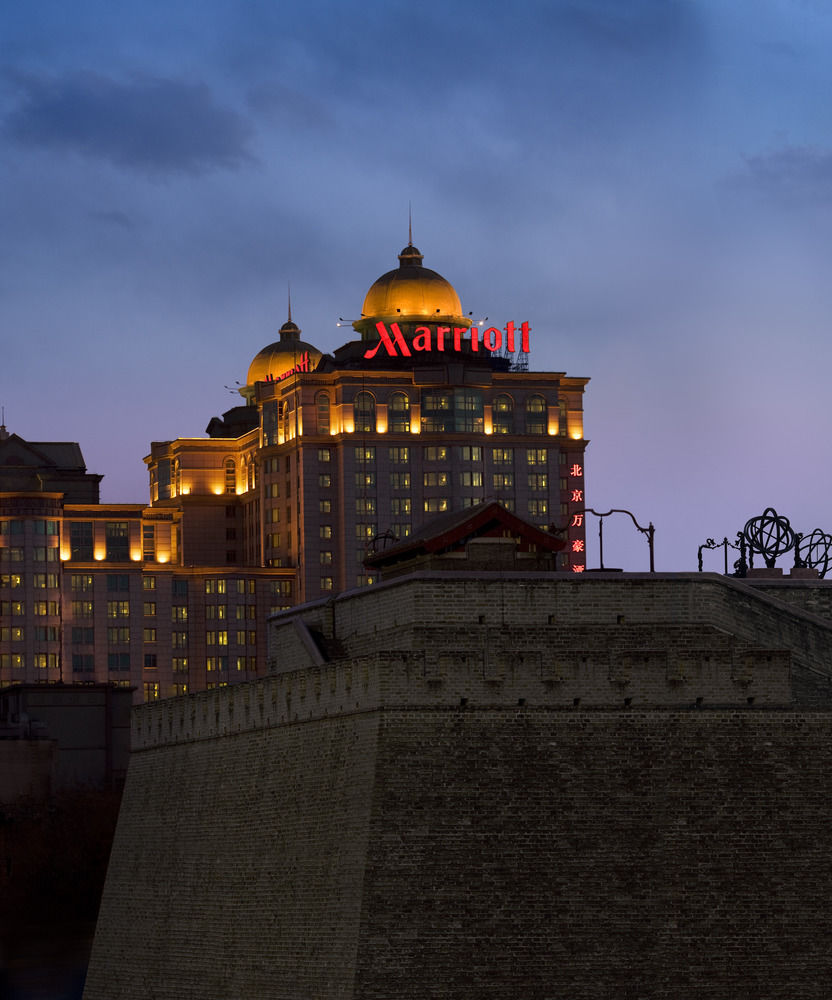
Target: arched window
x,y
322,410
364,407
177,478
230,476
502,410
535,415
398,413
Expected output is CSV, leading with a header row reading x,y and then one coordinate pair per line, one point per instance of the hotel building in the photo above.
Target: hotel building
x,y
329,458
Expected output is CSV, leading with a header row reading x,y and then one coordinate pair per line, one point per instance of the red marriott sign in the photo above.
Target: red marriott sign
x,y
301,366
423,339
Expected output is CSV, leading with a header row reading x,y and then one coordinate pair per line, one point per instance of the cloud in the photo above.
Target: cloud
x,y
793,175
151,125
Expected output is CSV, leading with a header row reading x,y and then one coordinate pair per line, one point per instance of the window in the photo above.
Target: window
x,y
230,476
435,505
179,613
179,588
45,607
401,530
178,689
149,542
363,532
283,587
82,609
16,608
399,480
82,636
150,661
538,481
118,609
216,611
324,506
117,541
536,456
149,609
435,478
324,480
364,409
398,413
327,583
118,636
470,453
398,456
364,480
535,415
83,663
502,480
149,634
324,455
468,411
13,554
435,454
80,541
325,531
400,505
151,690
179,664
216,586
216,663
437,412
39,581
149,583
216,638
326,557
12,581
538,507
364,455
322,410
179,640
117,582
46,633
470,479
365,505
502,410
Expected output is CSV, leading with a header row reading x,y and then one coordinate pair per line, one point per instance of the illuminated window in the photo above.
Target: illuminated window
x,y
325,506
82,609
470,453
437,412
44,608
324,480
538,481
398,413
118,636
538,507
151,690
148,542
149,635
435,505
178,689
435,454
179,640
400,505
365,505
536,415
399,480
502,456
324,455
326,558
322,409
365,531
179,664
283,587
364,455
326,583
148,583
401,529
179,613
12,580
502,409
364,409
230,476
435,478
470,479
536,456
217,663
118,609
325,531
364,480
398,456
502,481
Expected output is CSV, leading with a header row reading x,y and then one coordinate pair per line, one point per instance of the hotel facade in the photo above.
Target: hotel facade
x,y
329,458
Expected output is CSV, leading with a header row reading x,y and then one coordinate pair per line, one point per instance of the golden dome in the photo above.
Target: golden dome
x,y
286,355
411,294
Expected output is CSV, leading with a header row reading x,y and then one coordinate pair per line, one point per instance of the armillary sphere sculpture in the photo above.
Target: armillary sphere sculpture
x,y
769,534
815,550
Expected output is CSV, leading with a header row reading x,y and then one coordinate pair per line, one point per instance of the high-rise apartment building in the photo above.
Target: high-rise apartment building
x,y
329,457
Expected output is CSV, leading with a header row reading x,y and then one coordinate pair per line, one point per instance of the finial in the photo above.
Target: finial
x,y
409,224
289,292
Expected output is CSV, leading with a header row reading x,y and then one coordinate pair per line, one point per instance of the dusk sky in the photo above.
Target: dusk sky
x,y
647,182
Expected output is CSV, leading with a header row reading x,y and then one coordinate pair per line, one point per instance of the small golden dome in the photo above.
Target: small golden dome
x,y
411,293
279,359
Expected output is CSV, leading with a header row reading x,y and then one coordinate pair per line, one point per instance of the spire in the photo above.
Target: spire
x,y
289,291
409,224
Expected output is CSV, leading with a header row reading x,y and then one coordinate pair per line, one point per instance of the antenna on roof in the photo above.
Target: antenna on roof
x,y
289,293
409,224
